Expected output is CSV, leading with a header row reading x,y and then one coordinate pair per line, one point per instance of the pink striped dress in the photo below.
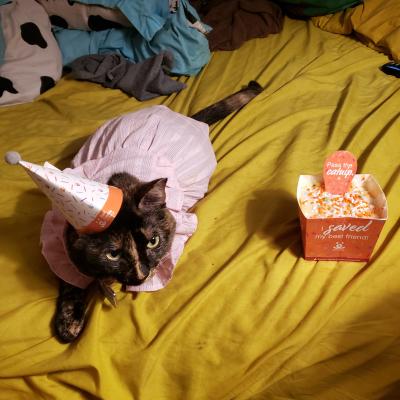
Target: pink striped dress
x,y
151,143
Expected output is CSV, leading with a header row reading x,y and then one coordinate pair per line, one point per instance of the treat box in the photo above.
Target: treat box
x,y
342,238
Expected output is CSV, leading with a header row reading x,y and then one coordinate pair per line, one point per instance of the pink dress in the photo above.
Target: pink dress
x,y
151,143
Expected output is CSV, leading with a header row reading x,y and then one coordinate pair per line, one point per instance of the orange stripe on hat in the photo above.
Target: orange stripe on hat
x,y
107,214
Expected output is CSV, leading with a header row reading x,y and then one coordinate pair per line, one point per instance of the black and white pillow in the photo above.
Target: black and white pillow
x,y
74,15
32,60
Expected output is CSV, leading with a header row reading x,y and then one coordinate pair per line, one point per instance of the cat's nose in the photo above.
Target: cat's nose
x,y
136,275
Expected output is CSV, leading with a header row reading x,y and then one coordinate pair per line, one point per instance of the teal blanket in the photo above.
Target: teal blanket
x,y
155,30
147,16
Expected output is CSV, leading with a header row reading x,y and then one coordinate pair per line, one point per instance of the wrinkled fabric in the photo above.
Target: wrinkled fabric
x,y
147,16
144,80
83,16
376,23
234,22
188,45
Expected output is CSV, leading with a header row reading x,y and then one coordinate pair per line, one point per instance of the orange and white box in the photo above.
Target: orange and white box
x,y
347,237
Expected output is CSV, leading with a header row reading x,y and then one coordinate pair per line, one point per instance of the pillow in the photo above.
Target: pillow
x,y
376,23
31,56
73,15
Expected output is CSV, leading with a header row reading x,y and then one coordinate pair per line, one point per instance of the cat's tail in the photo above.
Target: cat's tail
x,y
228,105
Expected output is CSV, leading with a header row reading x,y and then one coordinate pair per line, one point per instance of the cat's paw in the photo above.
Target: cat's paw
x,y
69,321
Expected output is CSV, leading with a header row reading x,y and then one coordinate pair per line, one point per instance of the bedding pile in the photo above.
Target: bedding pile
x,y
245,316
38,38
154,29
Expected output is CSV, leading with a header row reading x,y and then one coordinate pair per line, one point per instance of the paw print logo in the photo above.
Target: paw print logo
x,y
339,246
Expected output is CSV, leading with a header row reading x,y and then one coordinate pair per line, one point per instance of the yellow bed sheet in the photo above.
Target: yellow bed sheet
x,y
374,22
245,316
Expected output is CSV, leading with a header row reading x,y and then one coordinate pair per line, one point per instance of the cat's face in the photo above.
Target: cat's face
x,y
136,241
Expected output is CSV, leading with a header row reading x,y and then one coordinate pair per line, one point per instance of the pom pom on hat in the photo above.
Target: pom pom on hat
x,y
12,157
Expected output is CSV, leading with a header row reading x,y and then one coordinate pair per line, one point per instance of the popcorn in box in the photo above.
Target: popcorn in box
x,y
344,222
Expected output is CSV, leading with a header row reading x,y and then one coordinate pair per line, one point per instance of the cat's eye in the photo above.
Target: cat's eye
x,y
153,242
113,255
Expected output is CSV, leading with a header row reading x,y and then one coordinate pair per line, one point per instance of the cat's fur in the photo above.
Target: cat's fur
x,y
130,249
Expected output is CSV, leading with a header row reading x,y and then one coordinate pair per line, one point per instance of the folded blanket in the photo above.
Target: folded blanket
x,y
143,81
235,21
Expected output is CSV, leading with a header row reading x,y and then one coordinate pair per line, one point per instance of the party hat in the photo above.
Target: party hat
x,y
89,206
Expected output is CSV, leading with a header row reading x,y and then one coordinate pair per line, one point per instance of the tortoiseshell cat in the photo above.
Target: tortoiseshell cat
x,y
130,249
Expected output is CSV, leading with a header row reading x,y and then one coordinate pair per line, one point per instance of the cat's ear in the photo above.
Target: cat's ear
x,y
152,195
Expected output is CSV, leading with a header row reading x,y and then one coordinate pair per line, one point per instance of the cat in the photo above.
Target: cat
x,y
131,248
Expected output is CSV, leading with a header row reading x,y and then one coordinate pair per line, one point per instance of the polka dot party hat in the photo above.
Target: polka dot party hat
x,y
87,205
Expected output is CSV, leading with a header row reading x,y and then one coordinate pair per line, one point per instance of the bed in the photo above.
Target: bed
x,y
245,315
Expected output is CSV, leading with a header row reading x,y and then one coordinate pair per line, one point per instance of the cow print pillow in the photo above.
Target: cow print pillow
x,y
74,15
31,58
